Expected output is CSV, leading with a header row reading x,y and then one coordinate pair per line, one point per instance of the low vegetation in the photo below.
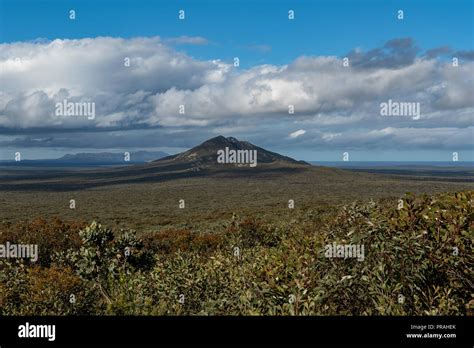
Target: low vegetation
x,y
418,261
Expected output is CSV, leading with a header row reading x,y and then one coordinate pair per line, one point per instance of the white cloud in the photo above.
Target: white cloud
x,y
330,100
297,133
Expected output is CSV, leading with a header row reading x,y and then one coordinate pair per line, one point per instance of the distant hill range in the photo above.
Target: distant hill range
x,y
112,157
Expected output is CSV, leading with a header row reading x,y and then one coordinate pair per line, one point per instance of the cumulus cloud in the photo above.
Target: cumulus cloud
x,y
467,55
438,51
395,53
166,88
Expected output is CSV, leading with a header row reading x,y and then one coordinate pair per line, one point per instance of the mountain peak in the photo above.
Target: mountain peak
x,y
216,141
232,140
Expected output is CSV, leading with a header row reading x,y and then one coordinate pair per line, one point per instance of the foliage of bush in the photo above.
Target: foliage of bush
x,y
418,261
50,236
172,240
44,291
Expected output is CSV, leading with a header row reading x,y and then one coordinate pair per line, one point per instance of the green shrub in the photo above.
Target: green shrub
x,y
418,260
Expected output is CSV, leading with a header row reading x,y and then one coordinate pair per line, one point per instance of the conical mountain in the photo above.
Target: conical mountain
x,y
206,154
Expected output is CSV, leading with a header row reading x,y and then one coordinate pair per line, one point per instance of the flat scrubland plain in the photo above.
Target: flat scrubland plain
x,y
236,248
208,198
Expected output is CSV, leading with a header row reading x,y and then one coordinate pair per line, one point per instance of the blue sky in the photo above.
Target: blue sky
x,y
46,57
241,27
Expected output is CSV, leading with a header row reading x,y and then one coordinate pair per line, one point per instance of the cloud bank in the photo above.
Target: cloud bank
x,y
146,83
